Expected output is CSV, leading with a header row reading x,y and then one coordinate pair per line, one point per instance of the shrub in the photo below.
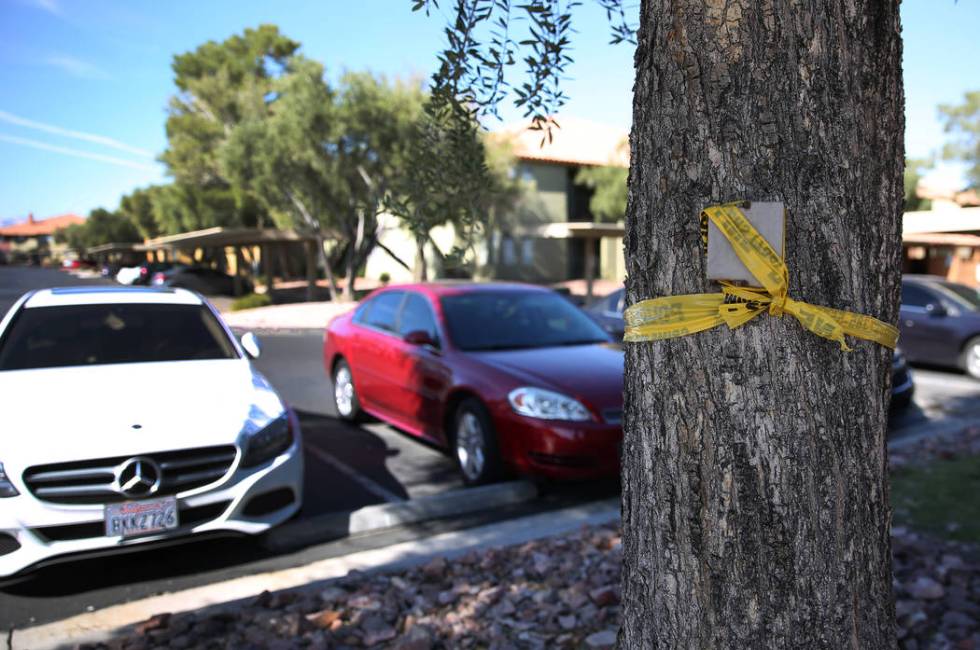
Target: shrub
x,y
251,301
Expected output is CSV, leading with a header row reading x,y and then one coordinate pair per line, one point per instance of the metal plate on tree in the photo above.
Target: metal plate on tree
x,y
769,218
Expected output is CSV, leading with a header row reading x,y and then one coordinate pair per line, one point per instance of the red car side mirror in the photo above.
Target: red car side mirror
x,y
419,337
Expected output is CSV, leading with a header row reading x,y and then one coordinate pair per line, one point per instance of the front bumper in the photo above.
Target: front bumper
x,y
557,449
903,385
34,533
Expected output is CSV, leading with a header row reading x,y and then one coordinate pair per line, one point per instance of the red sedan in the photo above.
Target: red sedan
x,y
506,376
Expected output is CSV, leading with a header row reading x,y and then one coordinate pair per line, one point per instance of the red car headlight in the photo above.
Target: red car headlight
x,y
547,405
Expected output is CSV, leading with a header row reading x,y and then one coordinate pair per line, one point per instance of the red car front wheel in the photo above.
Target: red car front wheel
x,y
475,444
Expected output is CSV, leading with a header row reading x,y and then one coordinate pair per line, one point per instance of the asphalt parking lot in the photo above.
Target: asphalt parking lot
x,y
348,469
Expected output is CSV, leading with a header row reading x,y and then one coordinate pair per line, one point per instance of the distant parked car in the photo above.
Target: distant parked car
x,y
198,278
102,464
505,376
77,264
141,274
128,274
940,323
608,313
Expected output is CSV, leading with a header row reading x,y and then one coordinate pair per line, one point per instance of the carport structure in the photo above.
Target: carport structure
x,y
589,231
274,246
117,252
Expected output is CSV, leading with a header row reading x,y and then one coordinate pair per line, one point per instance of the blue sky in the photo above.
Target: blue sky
x,y
84,83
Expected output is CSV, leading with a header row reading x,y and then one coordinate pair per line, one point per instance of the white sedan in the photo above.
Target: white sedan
x,y
131,416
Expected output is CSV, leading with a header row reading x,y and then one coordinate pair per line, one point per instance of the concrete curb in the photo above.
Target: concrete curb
x,y
335,525
940,426
99,626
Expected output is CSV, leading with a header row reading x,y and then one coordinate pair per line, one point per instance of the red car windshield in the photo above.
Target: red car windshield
x,y
506,320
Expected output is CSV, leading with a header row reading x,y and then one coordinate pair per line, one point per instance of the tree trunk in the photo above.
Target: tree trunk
x,y
352,257
755,498
314,225
421,271
327,269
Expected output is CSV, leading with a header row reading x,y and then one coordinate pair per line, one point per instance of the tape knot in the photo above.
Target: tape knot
x,y
778,305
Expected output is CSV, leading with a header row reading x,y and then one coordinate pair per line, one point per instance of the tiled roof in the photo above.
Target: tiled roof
x,y
31,228
577,142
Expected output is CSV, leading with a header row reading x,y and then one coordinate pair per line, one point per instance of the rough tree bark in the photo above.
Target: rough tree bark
x,y
421,273
755,498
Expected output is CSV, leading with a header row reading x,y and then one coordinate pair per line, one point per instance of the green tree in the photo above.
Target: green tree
x,y
446,180
220,85
101,227
182,207
913,174
283,158
755,495
963,123
376,118
74,236
608,185
137,206
324,159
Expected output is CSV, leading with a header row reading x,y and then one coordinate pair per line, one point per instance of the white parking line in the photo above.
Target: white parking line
x,y
362,480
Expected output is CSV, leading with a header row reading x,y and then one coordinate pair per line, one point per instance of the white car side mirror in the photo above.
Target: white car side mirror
x,y
251,345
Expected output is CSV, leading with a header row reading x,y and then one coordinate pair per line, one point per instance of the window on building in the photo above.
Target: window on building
x,y
508,254
527,251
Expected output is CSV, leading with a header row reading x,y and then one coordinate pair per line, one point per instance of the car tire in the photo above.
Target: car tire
x,y
345,400
474,443
970,357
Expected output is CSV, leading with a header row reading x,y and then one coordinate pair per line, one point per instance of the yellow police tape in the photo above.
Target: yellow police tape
x,y
674,316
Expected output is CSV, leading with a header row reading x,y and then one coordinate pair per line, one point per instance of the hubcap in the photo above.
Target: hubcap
x,y
469,446
973,360
343,391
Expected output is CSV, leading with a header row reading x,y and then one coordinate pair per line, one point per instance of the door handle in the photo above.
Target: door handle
x,y
909,323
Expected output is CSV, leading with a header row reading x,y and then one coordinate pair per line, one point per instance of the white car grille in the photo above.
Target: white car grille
x,y
108,480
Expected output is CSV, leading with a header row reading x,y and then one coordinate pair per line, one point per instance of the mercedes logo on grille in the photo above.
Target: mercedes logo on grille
x,y
138,477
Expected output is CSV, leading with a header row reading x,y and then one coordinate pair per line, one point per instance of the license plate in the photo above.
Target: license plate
x,y
140,517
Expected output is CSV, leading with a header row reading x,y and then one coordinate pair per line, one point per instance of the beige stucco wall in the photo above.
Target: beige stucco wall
x,y
399,240
506,255
612,260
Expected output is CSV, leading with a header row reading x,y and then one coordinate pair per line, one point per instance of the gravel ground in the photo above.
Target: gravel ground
x,y
554,593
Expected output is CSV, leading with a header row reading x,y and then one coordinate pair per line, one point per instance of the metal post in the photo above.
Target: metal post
x,y
310,248
589,267
239,263
267,263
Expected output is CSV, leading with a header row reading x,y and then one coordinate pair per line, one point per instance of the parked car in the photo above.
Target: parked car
x,y
102,464
940,323
77,264
505,376
199,278
607,311
142,273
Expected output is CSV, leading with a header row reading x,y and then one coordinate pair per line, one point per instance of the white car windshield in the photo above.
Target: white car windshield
x,y
83,335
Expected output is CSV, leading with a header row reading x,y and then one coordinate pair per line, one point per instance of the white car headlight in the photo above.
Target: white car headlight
x,y
547,405
269,441
7,488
